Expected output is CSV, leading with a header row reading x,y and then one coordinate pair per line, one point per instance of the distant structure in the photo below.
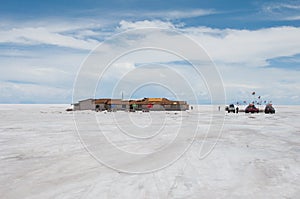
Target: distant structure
x,y
145,104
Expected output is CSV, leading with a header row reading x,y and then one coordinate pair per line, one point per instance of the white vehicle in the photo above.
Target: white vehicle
x,y
230,108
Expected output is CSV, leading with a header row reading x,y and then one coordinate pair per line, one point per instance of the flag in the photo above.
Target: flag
x,y
150,106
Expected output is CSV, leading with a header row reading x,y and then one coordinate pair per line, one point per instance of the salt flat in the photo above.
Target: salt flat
x,y
42,156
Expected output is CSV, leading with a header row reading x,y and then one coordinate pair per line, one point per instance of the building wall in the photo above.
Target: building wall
x,y
157,107
76,107
87,104
91,104
117,107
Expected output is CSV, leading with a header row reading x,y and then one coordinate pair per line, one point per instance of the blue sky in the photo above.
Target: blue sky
x,y
255,44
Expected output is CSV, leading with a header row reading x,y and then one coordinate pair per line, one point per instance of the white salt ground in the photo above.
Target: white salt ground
x,y
256,156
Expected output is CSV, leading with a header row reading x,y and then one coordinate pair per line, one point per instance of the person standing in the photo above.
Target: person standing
x,y
237,109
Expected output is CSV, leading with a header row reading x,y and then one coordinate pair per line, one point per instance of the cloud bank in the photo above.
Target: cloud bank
x,y
48,56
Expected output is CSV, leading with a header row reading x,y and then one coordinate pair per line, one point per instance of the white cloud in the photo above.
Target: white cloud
x,y
34,36
177,14
248,47
282,11
292,18
245,53
277,7
274,84
126,25
43,66
242,56
38,75
158,14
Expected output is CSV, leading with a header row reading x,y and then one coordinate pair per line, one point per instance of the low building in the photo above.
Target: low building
x,y
88,104
145,104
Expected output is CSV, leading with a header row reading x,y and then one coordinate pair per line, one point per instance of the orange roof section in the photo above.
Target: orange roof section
x,y
155,99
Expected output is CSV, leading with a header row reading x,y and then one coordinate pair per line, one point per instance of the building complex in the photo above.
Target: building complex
x,y
145,104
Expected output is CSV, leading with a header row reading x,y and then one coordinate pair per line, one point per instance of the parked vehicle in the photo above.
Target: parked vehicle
x,y
251,109
230,108
269,109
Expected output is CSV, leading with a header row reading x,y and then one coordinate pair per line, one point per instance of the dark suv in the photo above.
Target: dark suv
x,y
269,109
251,109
